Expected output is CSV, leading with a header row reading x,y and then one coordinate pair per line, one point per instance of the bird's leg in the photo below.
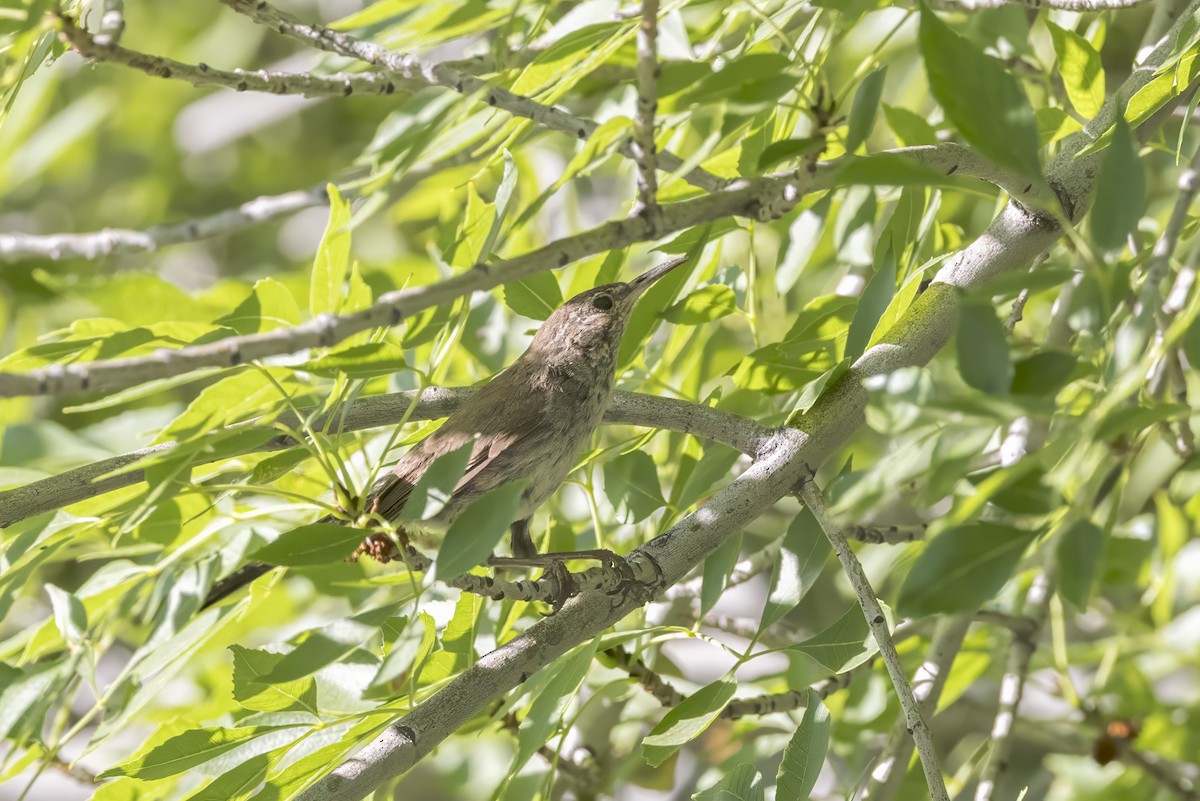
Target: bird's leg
x,y
520,542
525,554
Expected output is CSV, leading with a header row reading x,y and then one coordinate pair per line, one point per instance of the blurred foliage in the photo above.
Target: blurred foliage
x,y
107,661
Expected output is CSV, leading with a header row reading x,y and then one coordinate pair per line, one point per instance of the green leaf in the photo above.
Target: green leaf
x,y
983,349
320,647
840,645
742,782
436,484
186,751
1128,419
1079,550
874,302
270,305
332,263
230,400
253,691
508,182
1120,191
805,752
706,304
359,361
751,80
236,783
887,169
405,658
717,567
802,556
789,149
980,98
1043,374
69,615
866,105
961,568
535,297
546,711
1081,70
631,484
23,693
473,536
909,127
687,721
313,544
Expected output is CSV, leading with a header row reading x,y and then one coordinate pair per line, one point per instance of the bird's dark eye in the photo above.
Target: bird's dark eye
x,y
602,302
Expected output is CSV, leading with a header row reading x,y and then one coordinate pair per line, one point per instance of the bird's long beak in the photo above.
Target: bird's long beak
x,y
640,284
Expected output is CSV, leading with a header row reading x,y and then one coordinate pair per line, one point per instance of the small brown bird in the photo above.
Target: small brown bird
x,y
529,422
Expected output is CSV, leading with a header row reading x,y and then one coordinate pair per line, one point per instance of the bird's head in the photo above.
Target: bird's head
x,y
596,318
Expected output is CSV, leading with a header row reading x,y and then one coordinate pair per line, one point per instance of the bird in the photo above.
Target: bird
x,y
527,423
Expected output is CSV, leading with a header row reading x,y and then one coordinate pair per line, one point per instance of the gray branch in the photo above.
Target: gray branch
x,y
1012,686
914,716
928,684
97,244
647,104
269,81
628,408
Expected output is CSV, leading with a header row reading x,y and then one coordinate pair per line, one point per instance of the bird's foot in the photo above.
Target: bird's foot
x,y
553,565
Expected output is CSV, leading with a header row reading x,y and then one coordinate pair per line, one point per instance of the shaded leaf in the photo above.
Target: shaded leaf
x,y
687,721
313,544
1120,191
961,568
473,536
805,752
984,102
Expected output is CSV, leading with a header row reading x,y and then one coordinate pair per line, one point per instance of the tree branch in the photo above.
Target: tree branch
x,y
269,81
1012,686
96,244
763,199
627,408
414,67
647,103
914,718
928,684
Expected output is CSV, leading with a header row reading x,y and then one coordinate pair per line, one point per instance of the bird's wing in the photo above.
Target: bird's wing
x,y
492,453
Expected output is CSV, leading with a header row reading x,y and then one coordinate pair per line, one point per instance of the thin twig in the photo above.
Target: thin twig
x,y
270,81
913,718
647,104
96,244
928,683
1012,686
412,67
1160,257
